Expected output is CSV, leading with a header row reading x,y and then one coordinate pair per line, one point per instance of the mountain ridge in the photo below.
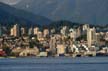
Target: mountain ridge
x,y
81,11
11,15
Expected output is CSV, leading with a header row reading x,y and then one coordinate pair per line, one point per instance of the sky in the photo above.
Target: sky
x,y
10,2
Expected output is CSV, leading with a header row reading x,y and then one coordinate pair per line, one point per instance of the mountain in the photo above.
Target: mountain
x,y
81,11
10,15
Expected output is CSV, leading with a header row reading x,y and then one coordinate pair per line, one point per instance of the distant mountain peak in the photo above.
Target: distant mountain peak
x,y
82,11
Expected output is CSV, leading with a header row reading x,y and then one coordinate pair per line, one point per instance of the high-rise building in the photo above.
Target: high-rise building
x,y
30,31
23,31
12,32
52,45
78,32
36,30
98,37
91,36
15,30
64,31
45,32
84,29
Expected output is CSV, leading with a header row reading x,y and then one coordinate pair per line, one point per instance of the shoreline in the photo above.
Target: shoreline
x,y
13,57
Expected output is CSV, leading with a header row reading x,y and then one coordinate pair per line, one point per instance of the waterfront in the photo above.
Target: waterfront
x,y
54,64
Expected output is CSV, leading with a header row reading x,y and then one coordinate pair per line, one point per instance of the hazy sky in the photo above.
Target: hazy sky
x,y
10,2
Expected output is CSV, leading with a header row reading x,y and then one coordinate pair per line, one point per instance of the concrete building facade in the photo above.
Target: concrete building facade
x,y
91,36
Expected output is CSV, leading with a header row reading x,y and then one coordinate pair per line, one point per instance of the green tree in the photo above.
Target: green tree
x,y
82,37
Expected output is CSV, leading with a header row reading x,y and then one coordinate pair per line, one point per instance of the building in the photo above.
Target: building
x,y
45,32
52,31
84,29
91,36
12,32
98,37
2,53
52,44
23,31
64,31
78,32
72,34
15,30
106,36
60,49
30,31
36,30
40,36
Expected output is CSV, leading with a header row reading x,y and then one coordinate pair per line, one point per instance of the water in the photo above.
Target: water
x,y
55,64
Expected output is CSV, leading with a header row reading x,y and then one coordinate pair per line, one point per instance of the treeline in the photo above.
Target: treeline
x,y
55,24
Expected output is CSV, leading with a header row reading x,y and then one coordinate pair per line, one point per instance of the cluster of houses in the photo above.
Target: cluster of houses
x,y
81,41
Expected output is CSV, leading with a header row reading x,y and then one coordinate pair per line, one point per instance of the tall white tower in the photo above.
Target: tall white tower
x,y
91,36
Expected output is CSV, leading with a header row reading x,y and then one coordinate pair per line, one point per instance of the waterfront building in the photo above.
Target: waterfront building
x,y
52,45
91,36
2,53
74,48
30,52
60,49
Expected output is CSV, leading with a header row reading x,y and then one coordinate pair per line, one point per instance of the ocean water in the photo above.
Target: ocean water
x,y
55,64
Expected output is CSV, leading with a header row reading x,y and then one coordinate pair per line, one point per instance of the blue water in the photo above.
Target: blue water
x,y
55,64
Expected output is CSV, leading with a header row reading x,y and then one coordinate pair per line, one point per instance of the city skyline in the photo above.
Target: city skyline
x,y
53,35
